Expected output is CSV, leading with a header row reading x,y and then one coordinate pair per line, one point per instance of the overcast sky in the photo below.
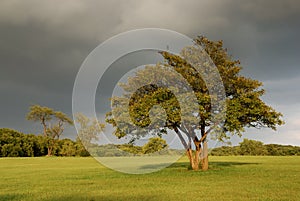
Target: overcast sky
x,y
43,44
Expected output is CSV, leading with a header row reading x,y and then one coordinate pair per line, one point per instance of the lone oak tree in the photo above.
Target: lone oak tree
x,y
244,108
46,116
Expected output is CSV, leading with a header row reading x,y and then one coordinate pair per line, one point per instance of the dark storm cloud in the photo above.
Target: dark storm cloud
x,y
272,29
263,34
43,43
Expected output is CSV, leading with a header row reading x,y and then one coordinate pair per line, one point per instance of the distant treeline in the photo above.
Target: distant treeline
x,y
256,148
16,144
111,150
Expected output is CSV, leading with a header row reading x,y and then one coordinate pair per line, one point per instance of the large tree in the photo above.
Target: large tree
x,y
53,123
244,107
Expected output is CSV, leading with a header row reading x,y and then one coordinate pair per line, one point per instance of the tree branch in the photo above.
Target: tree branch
x,y
181,138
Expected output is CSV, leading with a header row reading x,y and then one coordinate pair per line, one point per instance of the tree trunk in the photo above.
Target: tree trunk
x,y
194,159
44,126
204,157
49,151
50,147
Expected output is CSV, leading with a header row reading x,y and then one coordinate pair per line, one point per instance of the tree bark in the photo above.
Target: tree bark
x,y
204,157
194,159
50,146
189,154
49,151
44,126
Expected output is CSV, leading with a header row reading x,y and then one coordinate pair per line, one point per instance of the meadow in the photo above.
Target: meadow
x,y
79,178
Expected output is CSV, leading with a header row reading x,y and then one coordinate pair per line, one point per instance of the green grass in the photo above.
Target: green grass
x,y
229,178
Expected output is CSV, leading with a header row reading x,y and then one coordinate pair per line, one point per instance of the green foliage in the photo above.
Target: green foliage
x,y
62,118
47,117
130,148
40,114
16,144
81,150
252,147
154,144
13,144
282,150
67,147
256,148
225,151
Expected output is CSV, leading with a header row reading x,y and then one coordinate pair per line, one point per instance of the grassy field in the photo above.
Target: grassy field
x,y
229,178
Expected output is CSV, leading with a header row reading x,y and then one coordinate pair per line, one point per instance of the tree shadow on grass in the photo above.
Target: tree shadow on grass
x,y
10,196
156,166
186,165
112,197
227,164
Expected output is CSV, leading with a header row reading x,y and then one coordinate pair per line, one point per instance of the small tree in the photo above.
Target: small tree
x,y
88,129
243,103
53,123
67,148
55,131
153,145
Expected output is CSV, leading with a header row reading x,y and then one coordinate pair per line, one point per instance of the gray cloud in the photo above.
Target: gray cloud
x,y
43,43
